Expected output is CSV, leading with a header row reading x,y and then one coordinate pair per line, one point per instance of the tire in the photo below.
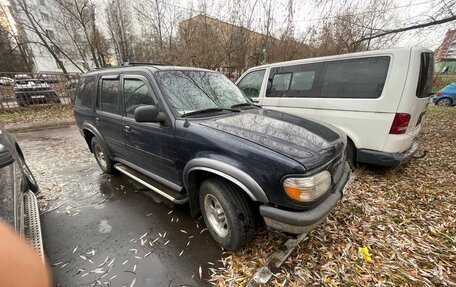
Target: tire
x,y
101,156
29,177
444,102
227,213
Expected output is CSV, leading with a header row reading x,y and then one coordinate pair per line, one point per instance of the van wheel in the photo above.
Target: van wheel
x,y
103,160
227,213
444,102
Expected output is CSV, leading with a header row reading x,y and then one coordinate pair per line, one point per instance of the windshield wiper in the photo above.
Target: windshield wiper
x,y
210,110
245,105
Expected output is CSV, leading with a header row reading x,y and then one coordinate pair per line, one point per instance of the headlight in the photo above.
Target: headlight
x,y
308,189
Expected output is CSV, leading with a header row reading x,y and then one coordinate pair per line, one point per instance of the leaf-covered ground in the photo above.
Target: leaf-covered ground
x,y
406,218
36,114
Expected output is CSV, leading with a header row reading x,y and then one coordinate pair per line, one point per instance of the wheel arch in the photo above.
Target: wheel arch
x,y
89,131
197,170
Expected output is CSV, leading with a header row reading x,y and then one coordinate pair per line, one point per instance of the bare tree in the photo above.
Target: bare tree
x,y
46,39
120,27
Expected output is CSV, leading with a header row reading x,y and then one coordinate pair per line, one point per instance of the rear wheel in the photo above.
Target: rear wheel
x,y
101,156
444,102
227,213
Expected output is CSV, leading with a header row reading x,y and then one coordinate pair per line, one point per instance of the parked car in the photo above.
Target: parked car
x,y
51,78
34,91
19,77
191,136
378,98
18,204
5,81
446,97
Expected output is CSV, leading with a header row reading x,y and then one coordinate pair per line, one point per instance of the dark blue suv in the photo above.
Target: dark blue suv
x,y
192,136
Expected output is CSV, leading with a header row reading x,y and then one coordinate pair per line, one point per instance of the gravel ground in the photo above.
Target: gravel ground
x,y
393,227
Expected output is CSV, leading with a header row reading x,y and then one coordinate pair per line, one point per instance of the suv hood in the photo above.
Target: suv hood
x,y
310,143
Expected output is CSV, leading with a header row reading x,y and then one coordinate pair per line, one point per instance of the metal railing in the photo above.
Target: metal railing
x,y
28,89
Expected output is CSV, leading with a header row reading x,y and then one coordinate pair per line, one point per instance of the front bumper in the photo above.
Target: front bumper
x,y
385,158
305,221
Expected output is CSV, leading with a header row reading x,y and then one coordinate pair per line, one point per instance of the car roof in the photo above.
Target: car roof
x,y
151,68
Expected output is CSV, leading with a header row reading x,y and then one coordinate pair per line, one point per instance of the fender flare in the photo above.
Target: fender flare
x,y
89,127
224,170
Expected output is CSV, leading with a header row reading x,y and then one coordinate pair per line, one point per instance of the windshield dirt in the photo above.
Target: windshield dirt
x,y
191,91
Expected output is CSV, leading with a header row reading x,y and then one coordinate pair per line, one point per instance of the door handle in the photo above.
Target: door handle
x,y
127,129
97,119
255,101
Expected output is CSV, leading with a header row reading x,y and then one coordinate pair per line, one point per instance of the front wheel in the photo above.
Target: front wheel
x,y
30,179
227,213
101,156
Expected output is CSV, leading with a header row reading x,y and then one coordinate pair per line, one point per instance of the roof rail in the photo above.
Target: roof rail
x,y
126,64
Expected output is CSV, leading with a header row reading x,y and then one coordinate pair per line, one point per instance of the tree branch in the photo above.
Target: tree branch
x,y
408,28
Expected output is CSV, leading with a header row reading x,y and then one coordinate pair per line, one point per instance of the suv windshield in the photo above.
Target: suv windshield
x,y
192,91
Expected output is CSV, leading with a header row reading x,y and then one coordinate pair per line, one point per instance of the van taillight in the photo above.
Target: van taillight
x,y
439,93
400,123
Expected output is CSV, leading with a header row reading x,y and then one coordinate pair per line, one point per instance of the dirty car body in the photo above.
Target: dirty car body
x,y
204,142
18,204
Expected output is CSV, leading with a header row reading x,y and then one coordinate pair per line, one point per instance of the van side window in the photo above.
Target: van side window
x,y
251,83
355,78
109,96
136,94
298,81
85,93
281,82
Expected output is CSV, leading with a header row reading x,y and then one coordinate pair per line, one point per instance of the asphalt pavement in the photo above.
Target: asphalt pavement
x,y
108,230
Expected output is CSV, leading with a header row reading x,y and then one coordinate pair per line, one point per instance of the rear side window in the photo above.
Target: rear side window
x,y
85,92
109,96
424,88
355,78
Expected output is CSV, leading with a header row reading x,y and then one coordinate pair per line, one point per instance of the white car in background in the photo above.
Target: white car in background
x,y
378,98
5,81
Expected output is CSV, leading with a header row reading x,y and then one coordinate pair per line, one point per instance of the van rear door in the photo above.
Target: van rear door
x,y
415,98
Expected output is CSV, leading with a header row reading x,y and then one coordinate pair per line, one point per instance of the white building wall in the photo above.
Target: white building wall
x,y
44,62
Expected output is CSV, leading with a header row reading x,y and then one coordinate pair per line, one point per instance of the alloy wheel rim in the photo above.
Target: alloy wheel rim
x,y
444,102
100,156
216,215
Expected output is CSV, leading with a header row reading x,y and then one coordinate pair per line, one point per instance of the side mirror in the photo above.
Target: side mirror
x,y
269,86
6,158
149,114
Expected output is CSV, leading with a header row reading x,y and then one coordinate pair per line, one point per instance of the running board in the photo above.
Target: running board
x,y
32,230
162,190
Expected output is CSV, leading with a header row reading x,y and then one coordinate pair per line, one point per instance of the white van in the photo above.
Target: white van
x,y
378,98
